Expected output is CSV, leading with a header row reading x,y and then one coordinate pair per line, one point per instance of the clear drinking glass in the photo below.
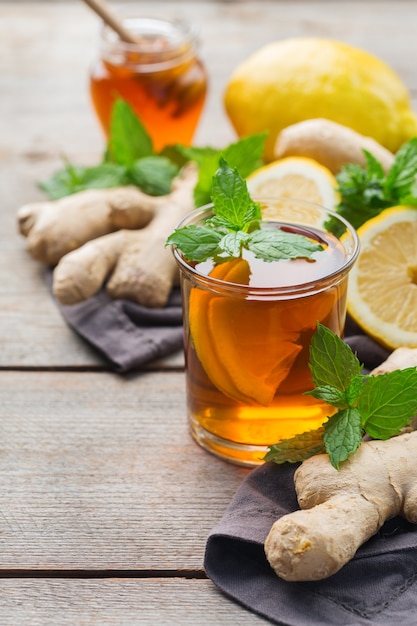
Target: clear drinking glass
x,y
248,326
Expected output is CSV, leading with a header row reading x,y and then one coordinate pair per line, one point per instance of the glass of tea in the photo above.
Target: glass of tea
x,y
160,76
248,326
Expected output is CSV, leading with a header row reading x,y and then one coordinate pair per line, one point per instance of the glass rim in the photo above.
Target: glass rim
x,y
311,286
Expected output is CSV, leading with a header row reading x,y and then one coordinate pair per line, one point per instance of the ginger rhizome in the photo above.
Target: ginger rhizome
x,y
329,143
114,236
341,509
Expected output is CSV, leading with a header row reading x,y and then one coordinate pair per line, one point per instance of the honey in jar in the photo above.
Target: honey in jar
x,y
160,76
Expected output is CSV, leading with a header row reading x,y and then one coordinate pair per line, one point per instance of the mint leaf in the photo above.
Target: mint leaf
x,y
232,243
402,174
236,220
297,448
207,160
75,178
379,406
245,155
197,243
231,199
332,362
354,389
129,140
388,402
153,174
274,245
330,395
343,435
366,191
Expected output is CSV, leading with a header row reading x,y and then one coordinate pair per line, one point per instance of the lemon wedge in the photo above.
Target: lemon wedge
x,y
300,178
382,292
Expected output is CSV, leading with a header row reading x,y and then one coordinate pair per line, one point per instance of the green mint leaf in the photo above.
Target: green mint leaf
x,y
236,220
374,169
175,155
207,160
388,402
75,178
343,435
231,198
197,243
273,245
402,174
298,448
232,243
366,191
153,174
62,183
129,140
362,191
330,395
245,155
332,362
354,389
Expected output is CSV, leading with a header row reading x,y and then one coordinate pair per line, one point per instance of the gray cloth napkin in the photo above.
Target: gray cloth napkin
x,y
377,588
125,333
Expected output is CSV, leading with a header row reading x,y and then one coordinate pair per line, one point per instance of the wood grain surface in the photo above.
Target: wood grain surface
x,y
106,502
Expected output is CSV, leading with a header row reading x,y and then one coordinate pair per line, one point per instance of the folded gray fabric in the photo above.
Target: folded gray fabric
x,y
127,334
378,587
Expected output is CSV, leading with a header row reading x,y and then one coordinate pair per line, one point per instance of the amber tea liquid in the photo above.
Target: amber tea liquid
x,y
247,346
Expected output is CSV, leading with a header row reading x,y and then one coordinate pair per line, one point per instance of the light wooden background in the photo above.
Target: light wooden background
x,y
105,502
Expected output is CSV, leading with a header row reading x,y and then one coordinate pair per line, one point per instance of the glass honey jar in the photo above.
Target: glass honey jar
x,y
160,76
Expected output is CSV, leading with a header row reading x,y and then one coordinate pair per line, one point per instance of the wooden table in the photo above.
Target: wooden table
x,y
105,500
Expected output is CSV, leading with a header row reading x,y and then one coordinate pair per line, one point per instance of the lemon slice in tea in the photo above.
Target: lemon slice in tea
x,y
229,338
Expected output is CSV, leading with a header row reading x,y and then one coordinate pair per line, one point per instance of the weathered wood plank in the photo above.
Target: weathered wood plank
x,y
46,49
99,472
116,602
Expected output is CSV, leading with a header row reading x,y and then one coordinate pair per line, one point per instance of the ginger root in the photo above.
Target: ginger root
x,y
341,509
54,228
135,263
329,143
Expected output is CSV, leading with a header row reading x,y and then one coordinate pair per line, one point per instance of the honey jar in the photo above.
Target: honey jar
x,y
160,76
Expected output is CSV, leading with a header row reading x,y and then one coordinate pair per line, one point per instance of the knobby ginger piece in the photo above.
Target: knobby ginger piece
x,y
341,509
329,143
54,228
134,264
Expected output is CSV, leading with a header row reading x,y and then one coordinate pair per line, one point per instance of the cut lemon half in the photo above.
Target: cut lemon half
x,y
300,178
382,292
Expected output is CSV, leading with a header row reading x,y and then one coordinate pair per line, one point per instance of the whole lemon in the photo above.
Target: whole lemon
x,y
303,78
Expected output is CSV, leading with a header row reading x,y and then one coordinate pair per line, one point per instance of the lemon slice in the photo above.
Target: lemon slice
x,y
300,178
382,292
229,338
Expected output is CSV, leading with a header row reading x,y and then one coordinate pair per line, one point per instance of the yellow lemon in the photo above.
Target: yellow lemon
x,y
382,292
294,177
296,79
